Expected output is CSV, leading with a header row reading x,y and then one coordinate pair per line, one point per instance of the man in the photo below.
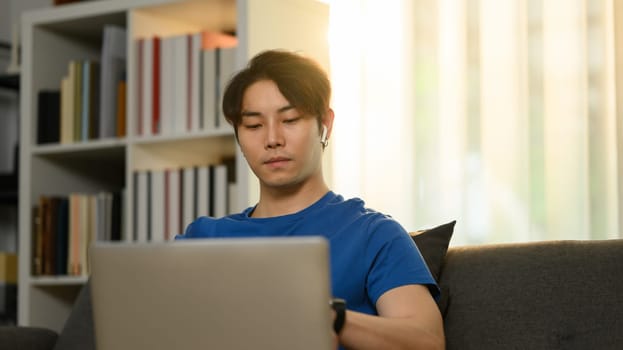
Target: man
x,y
279,108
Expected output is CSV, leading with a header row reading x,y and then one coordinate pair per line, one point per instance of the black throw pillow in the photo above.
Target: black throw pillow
x,y
433,245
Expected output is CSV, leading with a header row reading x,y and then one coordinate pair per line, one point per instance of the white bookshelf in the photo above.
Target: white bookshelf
x,y
53,37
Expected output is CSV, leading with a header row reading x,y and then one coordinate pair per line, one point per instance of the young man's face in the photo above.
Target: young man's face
x,y
280,143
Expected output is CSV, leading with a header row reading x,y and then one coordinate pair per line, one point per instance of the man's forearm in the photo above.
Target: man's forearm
x,y
362,332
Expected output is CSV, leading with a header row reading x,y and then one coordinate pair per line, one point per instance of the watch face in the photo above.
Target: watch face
x,y
338,303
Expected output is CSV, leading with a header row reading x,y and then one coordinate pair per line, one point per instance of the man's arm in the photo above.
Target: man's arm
x,y
408,319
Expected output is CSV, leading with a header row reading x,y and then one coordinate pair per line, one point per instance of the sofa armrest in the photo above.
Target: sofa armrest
x,y
27,338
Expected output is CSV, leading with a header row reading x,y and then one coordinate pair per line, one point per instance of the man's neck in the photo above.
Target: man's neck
x,y
283,201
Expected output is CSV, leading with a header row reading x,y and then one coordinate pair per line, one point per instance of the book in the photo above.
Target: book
x,y
219,190
67,105
48,116
121,109
194,78
166,86
141,202
180,84
76,69
166,204
62,232
212,75
91,211
75,234
103,209
113,62
44,237
173,203
203,191
226,65
49,235
85,233
157,214
85,105
155,89
94,100
140,48
147,87
149,204
116,222
209,107
188,202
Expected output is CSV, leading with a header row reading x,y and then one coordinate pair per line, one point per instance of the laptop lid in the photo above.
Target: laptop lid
x,y
260,293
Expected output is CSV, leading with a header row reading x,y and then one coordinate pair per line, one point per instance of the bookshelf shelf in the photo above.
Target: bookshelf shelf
x,y
55,38
106,145
58,281
191,135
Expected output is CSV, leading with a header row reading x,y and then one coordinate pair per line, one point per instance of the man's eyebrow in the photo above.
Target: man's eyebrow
x,y
246,113
250,114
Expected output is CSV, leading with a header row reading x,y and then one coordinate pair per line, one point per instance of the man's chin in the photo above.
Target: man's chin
x,y
281,184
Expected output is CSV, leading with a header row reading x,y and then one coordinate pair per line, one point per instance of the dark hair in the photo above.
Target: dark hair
x,y
301,80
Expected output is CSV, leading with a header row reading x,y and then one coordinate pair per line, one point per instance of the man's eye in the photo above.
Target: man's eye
x,y
252,126
292,120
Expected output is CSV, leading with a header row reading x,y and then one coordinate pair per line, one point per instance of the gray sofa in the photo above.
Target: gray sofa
x,y
543,295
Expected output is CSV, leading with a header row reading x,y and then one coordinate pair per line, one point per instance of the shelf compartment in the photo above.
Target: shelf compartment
x,y
172,152
55,299
77,169
184,16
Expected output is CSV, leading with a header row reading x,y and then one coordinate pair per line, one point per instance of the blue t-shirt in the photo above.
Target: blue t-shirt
x,y
371,253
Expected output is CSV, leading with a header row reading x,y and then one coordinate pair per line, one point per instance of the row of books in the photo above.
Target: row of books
x,y
167,200
91,100
181,79
180,83
65,226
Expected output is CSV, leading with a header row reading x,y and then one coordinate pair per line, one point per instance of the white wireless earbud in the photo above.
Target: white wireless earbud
x,y
323,136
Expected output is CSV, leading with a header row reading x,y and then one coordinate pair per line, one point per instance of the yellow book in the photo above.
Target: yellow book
x,y
8,268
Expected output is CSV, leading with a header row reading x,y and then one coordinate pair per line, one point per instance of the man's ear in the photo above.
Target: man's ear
x,y
327,121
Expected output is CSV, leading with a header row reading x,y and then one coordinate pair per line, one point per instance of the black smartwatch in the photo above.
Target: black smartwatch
x,y
339,306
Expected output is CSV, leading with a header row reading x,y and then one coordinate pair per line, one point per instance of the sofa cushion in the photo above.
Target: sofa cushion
x,y
27,338
433,245
541,295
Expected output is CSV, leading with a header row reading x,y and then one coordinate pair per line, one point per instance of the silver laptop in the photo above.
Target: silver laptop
x,y
252,293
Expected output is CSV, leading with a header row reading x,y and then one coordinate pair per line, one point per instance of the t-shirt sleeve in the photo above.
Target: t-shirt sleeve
x,y
200,228
395,261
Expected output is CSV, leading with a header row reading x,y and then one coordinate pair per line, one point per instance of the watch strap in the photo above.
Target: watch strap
x,y
339,306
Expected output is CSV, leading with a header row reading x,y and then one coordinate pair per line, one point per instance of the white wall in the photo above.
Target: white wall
x,y
10,13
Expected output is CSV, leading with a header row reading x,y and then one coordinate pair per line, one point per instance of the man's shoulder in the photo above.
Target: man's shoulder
x,y
207,226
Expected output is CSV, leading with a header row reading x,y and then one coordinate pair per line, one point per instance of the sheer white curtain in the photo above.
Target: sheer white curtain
x,y
502,115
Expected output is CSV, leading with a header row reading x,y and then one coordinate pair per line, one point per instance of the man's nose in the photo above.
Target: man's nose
x,y
274,136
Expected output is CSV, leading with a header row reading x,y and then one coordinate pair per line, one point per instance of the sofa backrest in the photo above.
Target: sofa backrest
x,y
78,333
544,295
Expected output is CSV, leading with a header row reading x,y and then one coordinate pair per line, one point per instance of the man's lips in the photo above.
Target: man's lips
x,y
276,161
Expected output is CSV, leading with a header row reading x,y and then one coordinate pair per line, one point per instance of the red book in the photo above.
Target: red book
x,y
155,125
